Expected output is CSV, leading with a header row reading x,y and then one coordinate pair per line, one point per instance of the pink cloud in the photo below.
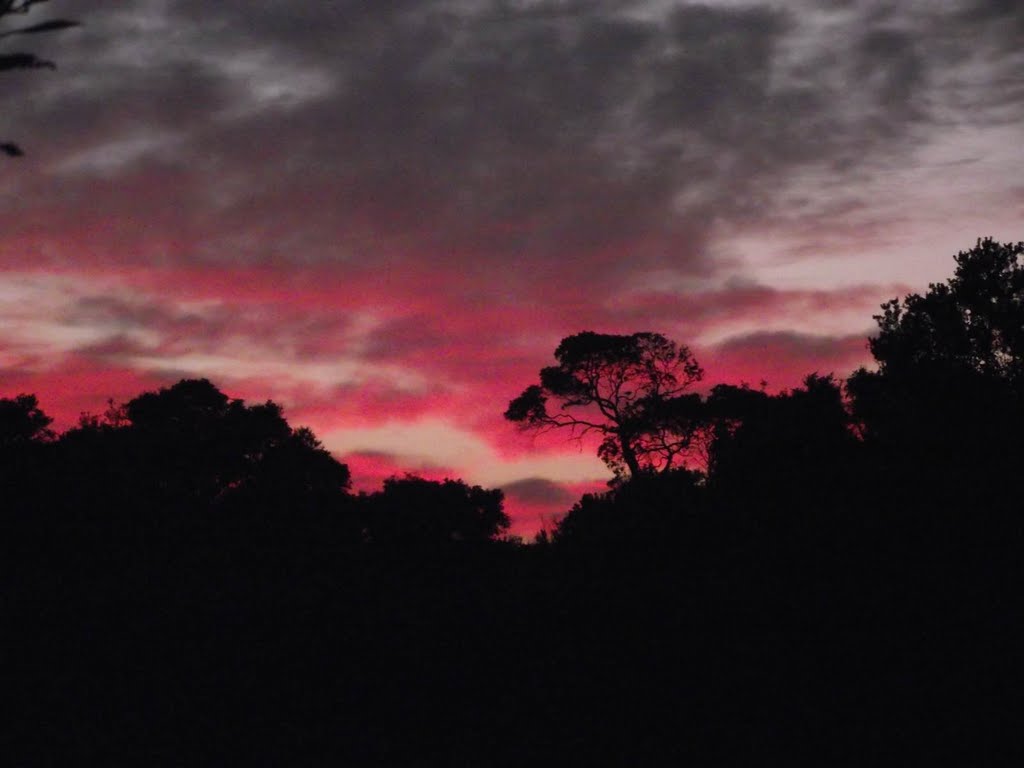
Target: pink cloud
x,y
784,359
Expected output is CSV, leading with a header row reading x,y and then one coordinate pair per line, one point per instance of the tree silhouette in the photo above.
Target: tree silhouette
x,y
631,390
22,421
25,443
784,462
201,442
296,492
974,321
191,448
23,60
643,514
412,511
668,614
946,405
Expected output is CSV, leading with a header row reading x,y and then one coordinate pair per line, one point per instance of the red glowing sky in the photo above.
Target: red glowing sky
x,y
385,215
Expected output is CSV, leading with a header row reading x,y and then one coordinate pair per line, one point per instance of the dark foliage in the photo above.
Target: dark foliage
x,y
944,413
186,579
647,512
413,512
22,422
630,390
783,463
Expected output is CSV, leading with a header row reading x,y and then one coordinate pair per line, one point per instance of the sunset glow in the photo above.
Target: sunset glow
x,y
385,215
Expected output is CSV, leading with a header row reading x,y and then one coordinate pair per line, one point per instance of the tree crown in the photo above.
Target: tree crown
x,y
974,321
631,389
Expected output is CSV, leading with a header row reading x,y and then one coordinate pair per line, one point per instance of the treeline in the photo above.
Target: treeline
x,y
831,571
188,460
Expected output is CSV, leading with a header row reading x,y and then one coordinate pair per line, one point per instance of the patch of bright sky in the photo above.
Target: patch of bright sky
x,y
150,36
238,360
112,156
270,82
243,358
39,317
435,442
901,221
33,307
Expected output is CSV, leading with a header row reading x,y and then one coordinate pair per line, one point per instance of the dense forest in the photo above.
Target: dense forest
x,y
831,570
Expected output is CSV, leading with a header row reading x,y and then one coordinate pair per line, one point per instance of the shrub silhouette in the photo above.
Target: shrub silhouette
x,y
412,511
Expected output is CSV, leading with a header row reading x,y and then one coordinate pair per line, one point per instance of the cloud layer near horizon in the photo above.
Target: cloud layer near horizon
x,y
386,214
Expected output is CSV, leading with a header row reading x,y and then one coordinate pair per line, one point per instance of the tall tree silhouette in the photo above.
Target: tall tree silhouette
x,y
21,59
25,440
631,390
946,404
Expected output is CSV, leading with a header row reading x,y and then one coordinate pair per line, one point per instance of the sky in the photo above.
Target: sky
x,y
385,214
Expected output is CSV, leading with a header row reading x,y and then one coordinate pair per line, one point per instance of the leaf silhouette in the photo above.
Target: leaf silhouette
x,y
45,26
24,61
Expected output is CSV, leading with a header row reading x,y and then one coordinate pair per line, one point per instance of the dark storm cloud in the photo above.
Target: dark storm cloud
x,y
568,139
1006,17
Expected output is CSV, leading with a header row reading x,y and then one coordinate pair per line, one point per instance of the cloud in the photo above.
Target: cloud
x,y
537,490
784,359
536,504
506,132
386,214
705,317
532,503
550,144
436,442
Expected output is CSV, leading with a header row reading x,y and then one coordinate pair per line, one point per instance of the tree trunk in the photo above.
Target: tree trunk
x,y
629,457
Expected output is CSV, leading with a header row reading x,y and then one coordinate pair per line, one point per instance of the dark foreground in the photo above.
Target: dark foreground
x,y
187,581
186,651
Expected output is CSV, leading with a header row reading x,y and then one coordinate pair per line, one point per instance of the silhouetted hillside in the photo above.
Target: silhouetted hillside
x,y
833,573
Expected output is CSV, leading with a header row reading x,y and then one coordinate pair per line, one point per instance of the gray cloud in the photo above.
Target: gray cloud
x,y
522,160
383,132
784,358
536,490
795,345
148,327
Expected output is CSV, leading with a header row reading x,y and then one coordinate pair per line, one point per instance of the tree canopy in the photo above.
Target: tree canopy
x,y
414,511
838,562
631,390
190,447
947,399
962,340
22,421
974,321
